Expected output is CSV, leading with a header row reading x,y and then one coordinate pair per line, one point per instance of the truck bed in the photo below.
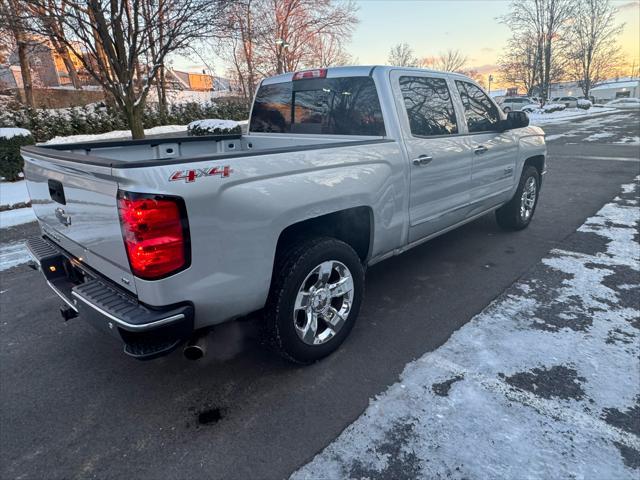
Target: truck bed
x,y
172,150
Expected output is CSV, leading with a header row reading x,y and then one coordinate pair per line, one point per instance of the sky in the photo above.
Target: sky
x,y
433,26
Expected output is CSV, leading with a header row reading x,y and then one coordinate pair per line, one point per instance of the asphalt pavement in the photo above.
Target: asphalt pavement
x,y
73,406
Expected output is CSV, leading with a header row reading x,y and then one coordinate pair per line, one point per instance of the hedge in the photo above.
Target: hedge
x,y
102,118
11,161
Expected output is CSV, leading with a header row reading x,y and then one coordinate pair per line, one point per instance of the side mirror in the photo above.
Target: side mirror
x,y
515,120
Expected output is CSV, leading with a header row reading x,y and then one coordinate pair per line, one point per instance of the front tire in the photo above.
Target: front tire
x,y
314,299
517,214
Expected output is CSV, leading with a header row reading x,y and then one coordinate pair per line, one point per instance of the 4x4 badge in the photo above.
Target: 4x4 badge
x,y
191,175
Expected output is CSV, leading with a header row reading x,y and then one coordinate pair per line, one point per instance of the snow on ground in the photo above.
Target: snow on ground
x,y
541,384
18,216
10,132
597,127
597,136
567,114
629,141
123,134
12,255
13,192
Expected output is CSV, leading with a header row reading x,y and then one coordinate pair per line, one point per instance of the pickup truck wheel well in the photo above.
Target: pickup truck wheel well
x,y
537,161
352,226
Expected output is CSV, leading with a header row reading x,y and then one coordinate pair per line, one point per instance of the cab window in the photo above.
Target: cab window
x,y
429,106
480,112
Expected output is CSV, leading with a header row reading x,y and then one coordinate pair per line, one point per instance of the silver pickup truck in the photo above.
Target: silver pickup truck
x,y
158,240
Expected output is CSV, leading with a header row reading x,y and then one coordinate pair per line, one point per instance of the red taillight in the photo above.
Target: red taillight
x,y
317,73
155,233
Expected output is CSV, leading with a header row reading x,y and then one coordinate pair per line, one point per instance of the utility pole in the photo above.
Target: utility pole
x,y
490,80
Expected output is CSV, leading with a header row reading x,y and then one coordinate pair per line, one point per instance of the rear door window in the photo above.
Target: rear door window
x,y
480,112
429,106
334,106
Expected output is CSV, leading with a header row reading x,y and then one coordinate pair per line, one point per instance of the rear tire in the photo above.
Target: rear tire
x,y
314,299
518,212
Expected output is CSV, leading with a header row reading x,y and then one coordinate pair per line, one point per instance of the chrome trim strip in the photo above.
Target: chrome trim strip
x,y
127,325
62,296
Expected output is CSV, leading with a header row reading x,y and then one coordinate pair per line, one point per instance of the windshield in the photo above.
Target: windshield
x,y
334,106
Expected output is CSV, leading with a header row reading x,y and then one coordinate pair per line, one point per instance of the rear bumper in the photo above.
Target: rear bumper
x,y
147,332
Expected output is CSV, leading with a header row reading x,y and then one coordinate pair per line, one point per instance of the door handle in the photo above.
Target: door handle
x,y
480,149
422,160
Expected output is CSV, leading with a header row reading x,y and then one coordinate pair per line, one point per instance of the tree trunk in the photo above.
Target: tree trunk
x,y
26,73
163,94
134,119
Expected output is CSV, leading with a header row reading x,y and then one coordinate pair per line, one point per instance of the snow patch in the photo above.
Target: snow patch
x,y
540,118
597,136
13,192
11,218
213,123
10,132
12,255
123,134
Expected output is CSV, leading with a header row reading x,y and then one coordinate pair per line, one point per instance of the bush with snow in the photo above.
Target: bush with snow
x,y
213,126
531,107
11,162
98,118
584,104
553,107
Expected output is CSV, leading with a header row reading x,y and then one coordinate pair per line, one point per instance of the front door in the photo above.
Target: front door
x,y
494,153
440,159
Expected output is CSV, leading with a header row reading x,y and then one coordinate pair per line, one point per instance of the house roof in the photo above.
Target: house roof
x,y
622,84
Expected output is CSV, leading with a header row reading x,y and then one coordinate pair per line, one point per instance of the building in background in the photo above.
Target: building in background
x,y
48,69
623,88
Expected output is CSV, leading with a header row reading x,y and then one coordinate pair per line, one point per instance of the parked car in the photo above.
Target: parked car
x,y
155,241
569,102
516,103
625,103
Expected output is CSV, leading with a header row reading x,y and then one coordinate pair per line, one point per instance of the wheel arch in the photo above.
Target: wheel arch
x,y
537,161
354,226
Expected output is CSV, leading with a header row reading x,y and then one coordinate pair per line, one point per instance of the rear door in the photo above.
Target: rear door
x,y
440,161
76,205
494,153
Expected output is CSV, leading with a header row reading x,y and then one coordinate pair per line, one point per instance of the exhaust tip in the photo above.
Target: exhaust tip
x,y
196,347
193,352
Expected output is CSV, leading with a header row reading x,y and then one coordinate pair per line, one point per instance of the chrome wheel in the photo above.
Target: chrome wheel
x,y
528,199
323,302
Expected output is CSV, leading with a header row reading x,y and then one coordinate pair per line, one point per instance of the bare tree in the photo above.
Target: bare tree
x,y
328,51
520,64
12,14
401,55
590,45
267,37
449,61
110,37
544,21
294,25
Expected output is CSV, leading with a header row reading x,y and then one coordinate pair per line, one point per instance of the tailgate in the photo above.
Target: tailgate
x,y
76,205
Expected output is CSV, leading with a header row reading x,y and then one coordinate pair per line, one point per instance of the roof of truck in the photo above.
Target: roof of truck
x,y
356,71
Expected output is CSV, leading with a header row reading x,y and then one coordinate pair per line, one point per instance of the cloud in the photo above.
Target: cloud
x,y
487,50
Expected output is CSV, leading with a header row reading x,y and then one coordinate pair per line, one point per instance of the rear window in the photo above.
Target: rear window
x,y
333,106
